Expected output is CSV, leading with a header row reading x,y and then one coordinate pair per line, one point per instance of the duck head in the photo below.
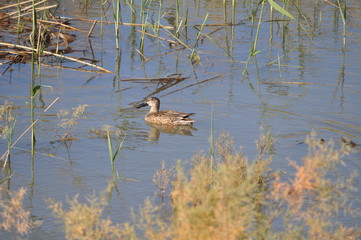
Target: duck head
x,y
152,102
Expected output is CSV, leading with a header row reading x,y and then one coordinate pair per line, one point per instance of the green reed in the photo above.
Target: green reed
x,y
211,140
342,11
186,24
159,15
130,5
144,22
271,14
19,28
32,81
233,19
225,11
253,49
195,58
112,154
284,12
177,24
117,19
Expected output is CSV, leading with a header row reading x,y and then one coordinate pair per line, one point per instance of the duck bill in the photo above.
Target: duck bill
x,y
140,105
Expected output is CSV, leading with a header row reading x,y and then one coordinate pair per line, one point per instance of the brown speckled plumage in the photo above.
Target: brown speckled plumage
x,y
168,117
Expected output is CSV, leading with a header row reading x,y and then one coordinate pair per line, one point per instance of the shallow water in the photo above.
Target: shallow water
x,y
326,102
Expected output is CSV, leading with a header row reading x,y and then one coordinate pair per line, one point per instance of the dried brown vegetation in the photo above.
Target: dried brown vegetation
x,y
162,178
83,220
69,120
13,216
236,199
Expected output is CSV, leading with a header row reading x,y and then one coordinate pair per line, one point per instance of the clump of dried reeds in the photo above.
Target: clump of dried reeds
x,y
241,199
235,199
312,201
13,216
162,178
83,220
7,118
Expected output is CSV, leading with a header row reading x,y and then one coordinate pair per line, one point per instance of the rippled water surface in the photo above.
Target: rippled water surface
x,y
295,84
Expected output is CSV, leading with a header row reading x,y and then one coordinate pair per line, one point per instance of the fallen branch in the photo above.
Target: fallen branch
x,y
54,54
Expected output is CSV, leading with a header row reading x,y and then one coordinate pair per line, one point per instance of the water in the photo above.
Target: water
x,y
327,103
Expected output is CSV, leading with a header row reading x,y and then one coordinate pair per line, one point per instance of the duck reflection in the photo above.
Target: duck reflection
x,y
156,129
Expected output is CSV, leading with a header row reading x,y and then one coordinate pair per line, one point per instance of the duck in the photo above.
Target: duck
x,y
165,117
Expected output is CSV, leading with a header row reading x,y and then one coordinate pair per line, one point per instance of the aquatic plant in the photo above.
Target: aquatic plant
x,y
112,155
68,121
117,19
161,178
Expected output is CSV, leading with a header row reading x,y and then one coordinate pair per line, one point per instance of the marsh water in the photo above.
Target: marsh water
x,y
297,83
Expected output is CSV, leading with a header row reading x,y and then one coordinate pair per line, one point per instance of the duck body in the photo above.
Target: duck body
x,y
167,117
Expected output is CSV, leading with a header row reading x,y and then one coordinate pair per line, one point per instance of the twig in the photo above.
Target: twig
x,y
331,3
154,79
299,83
73,69
7,152
16,4
92,28
37,9
133,180
161,38
141,54
215,25
120,23
59,23
55,54
30,6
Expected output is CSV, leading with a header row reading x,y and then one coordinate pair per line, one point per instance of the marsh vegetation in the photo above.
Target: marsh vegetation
x,y
71,72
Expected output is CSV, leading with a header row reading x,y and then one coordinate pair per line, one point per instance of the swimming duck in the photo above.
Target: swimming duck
x,y
168,117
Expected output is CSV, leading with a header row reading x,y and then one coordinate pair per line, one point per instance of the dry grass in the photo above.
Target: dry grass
x,y
68,121
83,221
162,178
235,199
315,197
14,218
239,199
6,119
